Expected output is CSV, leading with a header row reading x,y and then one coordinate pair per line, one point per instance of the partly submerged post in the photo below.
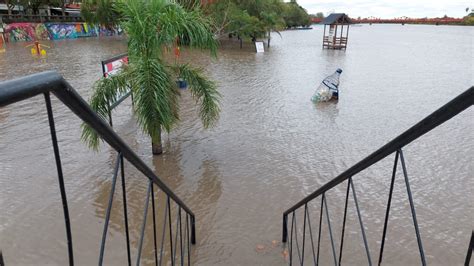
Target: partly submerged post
x,y
338,27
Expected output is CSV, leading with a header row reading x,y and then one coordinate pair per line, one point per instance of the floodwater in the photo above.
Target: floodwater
x,y
271,147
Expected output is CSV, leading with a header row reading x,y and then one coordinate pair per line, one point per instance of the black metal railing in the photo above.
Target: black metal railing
x,y
48,83
451,109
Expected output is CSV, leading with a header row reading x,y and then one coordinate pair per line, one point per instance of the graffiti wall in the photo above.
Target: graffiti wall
x,y
55,31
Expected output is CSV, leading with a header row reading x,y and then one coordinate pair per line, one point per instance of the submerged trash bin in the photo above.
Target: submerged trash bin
x,y
328,89
182,84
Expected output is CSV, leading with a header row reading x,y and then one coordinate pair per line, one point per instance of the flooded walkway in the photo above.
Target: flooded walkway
x,y
271,147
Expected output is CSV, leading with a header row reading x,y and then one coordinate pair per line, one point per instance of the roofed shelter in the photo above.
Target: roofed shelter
x,y
336,36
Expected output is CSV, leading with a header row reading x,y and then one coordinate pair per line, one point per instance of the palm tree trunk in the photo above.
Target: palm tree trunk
x,y
156,146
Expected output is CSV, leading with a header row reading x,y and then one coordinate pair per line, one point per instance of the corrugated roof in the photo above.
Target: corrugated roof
x,y
336,17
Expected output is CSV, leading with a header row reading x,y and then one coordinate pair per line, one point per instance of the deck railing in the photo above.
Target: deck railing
x,y
48,83
443,114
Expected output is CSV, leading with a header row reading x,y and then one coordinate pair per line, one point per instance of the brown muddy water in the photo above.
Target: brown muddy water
x,y
271,147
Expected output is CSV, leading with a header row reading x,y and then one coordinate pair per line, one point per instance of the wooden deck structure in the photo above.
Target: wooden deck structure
x,y
338,33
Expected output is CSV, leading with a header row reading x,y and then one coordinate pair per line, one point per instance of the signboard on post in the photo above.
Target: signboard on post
x,y
113,65
259,47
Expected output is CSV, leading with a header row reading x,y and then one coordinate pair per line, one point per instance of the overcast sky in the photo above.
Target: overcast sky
x,y
389,8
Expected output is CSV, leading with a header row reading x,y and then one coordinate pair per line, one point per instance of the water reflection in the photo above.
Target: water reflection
x,y
327,110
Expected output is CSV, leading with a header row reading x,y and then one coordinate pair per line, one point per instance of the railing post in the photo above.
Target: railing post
x,y
145,213
387,212
285,229
193,230
109,210
124,196
304,233
62,188
344,220
412,206
468,255
330,230
360,221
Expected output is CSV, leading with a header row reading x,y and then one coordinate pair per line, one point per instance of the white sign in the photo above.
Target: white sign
x,y
259,47
113,67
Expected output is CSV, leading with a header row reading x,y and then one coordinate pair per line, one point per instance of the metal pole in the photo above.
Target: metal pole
x,y
62,188
468,255
304,234
330,230
413,212
193,229
142,234
360,221
109,210
344,220
387,213
164,233
154,223
171,230
311,235
124,195
320,225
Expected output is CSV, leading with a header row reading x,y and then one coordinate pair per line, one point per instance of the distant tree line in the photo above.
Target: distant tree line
x,y
469,19
250,19
255,18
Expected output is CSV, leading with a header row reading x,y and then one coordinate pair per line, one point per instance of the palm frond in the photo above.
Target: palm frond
x,y
191,27
156,96
204,92
105,92
152,25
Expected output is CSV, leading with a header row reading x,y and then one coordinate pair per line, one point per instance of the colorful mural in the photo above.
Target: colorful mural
x,y
21,32
55,31
61,31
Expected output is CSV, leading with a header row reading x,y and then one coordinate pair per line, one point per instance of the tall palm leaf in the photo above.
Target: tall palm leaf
x,y
151,26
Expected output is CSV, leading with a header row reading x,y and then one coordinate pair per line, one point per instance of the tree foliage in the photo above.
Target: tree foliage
x,y
295,15
103,12
153,26
255,18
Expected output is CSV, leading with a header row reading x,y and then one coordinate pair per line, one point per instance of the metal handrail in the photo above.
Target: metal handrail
x,y
16,90
443,114
50,81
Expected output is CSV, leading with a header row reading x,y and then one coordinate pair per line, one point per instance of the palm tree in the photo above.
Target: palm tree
x,y
153,26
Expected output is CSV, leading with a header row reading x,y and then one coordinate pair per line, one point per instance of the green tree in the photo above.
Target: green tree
x,y
230,18
272,22
59,3
319,15
34,5
102,12
10,5
295,15
153,26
